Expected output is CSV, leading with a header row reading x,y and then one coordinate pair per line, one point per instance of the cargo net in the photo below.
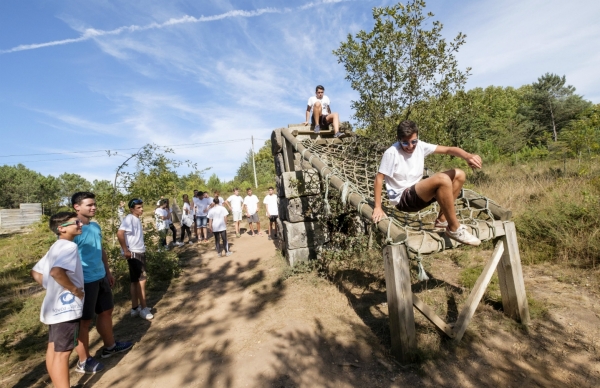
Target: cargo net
x,y
357,163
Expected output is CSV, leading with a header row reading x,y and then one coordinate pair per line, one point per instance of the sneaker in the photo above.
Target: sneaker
x,y
339,134
463,236
270,238
136,311
89,366
118,348
237,235
146,314
440,224
178,244
317,128
219,254
228,254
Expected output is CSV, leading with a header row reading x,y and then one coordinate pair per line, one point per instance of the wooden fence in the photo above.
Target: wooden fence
x,y
15,219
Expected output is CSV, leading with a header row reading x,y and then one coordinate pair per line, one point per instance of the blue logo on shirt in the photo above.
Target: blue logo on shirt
x,y
67,298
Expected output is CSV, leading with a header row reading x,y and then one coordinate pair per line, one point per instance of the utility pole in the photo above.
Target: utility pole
x,y
254,165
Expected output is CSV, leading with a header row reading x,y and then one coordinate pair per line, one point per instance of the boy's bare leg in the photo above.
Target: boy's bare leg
x,y
335,119
104,325
237,227
142,292
440,187
258,227
317,110
58,366
458,177
83,340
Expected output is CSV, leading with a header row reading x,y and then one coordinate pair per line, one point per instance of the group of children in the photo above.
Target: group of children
x,y
206,214
78,282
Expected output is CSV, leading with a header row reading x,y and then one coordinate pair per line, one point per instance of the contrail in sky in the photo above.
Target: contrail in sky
x,y
91,33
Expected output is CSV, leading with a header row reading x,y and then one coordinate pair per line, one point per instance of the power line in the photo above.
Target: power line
x,y
126,149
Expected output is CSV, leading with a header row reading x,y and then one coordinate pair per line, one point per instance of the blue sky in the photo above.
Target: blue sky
x,y
97,75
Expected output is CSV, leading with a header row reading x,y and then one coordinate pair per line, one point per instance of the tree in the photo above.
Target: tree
x,y
552,104
265,167
70,184
399,65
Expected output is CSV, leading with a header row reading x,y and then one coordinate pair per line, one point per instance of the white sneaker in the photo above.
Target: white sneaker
x,y
463,236
317,128
146,314
136,311
179,244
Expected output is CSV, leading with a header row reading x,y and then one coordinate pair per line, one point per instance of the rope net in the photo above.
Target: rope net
x,y
357,164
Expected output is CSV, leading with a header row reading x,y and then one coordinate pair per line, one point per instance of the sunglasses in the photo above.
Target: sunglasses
x,y
406,143
134,202
76,222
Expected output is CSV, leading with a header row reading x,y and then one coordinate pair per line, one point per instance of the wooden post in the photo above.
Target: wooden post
x,y
400,302
510,276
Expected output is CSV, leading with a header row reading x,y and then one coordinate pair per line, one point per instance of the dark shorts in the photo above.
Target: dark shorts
x,y
322,120
98,298
253,218
410,202
137,267
64,335
273,218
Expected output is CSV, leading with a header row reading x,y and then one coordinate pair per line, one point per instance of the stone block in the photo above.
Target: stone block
x,y
295,256
279,165
299,209
276,143
303,235
301,183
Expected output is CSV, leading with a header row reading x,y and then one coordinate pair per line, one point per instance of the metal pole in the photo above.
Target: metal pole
x,y
254,164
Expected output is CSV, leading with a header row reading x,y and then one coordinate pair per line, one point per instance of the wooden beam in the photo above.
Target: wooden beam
x,y
497,211
432,316
510,276
400,302
477,293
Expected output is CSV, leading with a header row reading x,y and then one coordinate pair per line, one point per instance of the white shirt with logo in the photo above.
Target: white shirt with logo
x,y
324,104
59,304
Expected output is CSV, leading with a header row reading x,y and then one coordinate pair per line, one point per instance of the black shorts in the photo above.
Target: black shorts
x,y
410,202
322,120
98,298
64,335
137,267
273,218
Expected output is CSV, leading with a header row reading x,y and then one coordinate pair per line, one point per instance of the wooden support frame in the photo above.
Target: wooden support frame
x,y
505,259
400,301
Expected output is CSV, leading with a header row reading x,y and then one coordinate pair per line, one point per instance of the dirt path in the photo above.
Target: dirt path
x,y
233,322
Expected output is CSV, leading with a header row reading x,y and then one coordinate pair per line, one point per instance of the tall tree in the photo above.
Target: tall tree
x,y
553,103
401,63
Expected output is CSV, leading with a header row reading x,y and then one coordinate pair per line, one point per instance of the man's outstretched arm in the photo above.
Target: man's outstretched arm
x,y
378,213
473,160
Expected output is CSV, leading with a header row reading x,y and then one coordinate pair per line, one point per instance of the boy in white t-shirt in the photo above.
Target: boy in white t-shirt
x,y
402,169
234,203
60,272
131,239
251,204
217,223
161,218
272,212
319,110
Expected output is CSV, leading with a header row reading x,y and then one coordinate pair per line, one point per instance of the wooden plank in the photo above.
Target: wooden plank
x,y
276,143
510,276
497,211
432,316
400,302
477,293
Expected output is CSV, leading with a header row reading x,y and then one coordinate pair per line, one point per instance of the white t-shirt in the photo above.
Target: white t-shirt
x,y
324,104
160,223
235,201
189,208
203,205
402,170
217,214
251,202
60,305
271,202
196,206
134,234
